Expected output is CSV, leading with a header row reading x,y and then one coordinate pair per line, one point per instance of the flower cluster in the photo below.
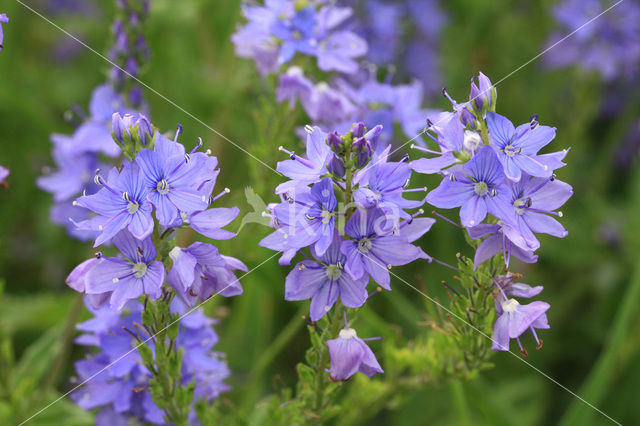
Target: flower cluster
x,y
91,146
130,49
405,33
506,189
177,186
280,29
609,45
118,382
342,92
343,178
77,157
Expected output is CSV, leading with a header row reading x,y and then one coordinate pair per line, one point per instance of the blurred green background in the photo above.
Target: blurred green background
x,y
591,278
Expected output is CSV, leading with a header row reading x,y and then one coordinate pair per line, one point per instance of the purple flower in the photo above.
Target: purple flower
x,y
94,135
74,174
308,216
478,188
609,45
130,276
349,354
374,248
515,320
200,271
4,173
3,19
323,280
210,222
517,148
123,202
501,237
77,280
121,391
171,180
338,50
534,201
483,94
296,34
308,170
451,138
293,85
385,185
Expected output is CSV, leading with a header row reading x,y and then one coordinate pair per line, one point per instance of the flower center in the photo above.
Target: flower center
x,y
326,216
511,151
133,207
139,269
510,305
520,205
347,333
481,188
162,187
364,245
334,271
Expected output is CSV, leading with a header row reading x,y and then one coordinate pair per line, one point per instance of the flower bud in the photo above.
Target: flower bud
x,y
120,128
357,130
335,166
335,142
145,130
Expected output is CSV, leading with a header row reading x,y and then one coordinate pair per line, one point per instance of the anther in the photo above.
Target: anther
x,y
178,132
308,129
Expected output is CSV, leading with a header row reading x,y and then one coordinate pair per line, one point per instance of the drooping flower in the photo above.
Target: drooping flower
x,y
515,320
122,202
200,271
501,237
375,247
478,188
128,277
517,148
350,354
323,280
